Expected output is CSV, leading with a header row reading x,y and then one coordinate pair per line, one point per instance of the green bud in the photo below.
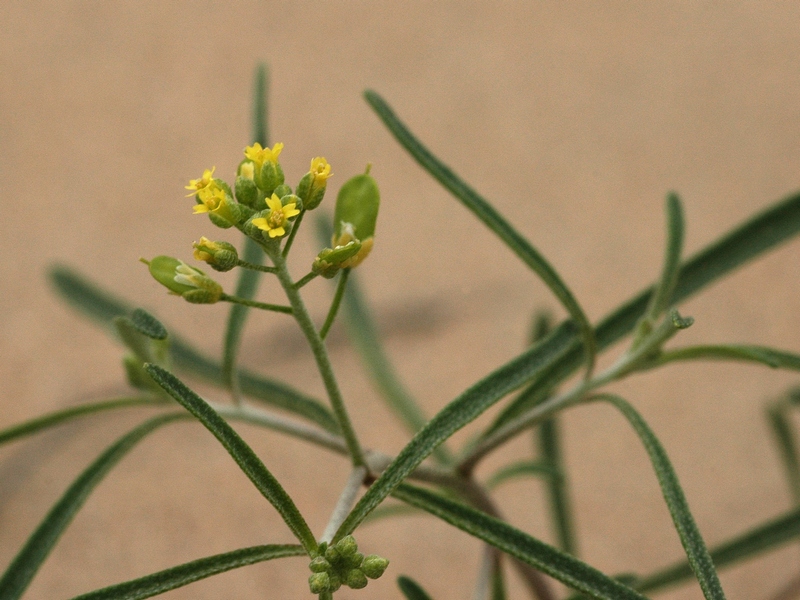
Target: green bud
x,y
312,186
319,565
246,169
270,177
220,256
354,560
246,191
333,555
282,190
224,187
292,199
336,581
355,215
347,546
356,579
330,260
374,566
220,222
319,583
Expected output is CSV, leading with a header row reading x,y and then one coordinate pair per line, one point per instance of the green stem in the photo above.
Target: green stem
x,y
337,300
321,356
293,233
301,282
253,304
253,267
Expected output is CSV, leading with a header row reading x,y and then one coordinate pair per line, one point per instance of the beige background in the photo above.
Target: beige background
x,y
574,118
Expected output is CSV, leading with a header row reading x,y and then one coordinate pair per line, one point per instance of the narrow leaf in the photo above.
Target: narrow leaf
x,y
660,300
787,445
557,492
777,359
696,551
244,456
170,579
524,468
148,325
58,417
488,215
411,589
454,416
25,565
568,570
768,536
102,307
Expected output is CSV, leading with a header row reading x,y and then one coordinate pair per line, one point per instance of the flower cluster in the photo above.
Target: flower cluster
x,y
342,564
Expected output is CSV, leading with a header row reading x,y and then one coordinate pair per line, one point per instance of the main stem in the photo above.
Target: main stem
x,y
321,356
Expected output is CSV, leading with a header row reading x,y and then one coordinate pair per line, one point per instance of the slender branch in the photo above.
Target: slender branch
x,y
321,356
337,301
254,267
293,233
309,277
347,500
253,304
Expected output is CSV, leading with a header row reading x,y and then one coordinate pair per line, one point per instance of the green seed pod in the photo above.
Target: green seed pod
x,y
181,279
356,213
356,579
319,583
319,565
374,566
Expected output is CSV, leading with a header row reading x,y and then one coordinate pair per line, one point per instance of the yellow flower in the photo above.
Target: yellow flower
x,y
261,155
212,198
320,170
275,222
198,184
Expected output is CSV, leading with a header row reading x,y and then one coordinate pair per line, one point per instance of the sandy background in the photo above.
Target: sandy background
x,y
574,118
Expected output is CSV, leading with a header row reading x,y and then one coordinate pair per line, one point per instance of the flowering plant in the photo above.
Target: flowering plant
x,y
426,475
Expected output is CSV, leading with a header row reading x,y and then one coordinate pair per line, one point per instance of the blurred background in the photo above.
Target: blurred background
x,y
575,119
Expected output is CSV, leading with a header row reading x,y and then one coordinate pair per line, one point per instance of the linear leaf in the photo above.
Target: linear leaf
x,y
411,589
244,456
559,565
778,417
523,468
762,538
61,416
692,541
148,325
468,406
175,577
102,307
777,359
660,300
24,566
558,494
488,215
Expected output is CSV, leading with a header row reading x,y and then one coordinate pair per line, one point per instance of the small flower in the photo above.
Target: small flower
x,y
198,184
275,222
261,155
320,170
211,197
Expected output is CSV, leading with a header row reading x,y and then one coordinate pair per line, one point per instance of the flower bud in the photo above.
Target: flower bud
x,y
312,186
270,176
347,546
282,190
355,216
330,260
182,280
246,190
220,256
319,583
354,560
374,566
336,581
356,579
319,565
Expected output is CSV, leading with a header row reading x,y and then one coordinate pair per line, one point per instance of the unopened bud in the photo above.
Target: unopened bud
x,y
374,566
220,256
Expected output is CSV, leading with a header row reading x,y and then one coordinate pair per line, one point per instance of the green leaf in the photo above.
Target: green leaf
x,y
58,417
660,300
696,551
25,565
453,417
169,579
523,468
568,570
244,456
261,105
102,307
411,589
762,538
489,216
148,325
557,492
776,359
787,445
